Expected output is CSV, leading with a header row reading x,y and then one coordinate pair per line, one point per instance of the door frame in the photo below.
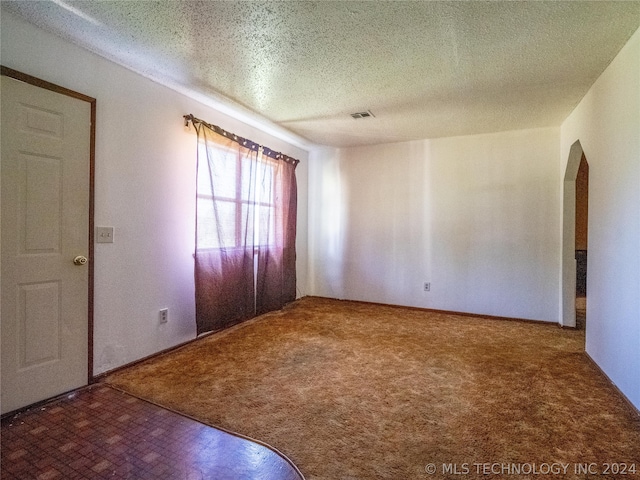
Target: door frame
x,y
31,80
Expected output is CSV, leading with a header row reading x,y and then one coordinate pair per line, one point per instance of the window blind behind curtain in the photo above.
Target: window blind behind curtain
x,y
246,204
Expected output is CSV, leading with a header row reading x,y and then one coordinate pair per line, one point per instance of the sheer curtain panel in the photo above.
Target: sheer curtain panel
x,y
245,229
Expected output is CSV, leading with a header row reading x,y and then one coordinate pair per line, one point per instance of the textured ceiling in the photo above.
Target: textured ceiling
x,y
425,69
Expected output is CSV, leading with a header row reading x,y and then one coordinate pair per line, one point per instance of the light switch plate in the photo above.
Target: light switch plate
x,y
104,234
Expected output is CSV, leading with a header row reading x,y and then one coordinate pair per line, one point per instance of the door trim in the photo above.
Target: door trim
x,y
23,77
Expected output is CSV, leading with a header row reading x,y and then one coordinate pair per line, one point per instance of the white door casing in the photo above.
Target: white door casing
x,y
45,205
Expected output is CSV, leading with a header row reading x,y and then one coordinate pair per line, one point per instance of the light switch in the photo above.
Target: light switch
x,y
104,234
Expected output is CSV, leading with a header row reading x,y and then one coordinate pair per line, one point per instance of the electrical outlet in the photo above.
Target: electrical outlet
x,y
164,315
427,286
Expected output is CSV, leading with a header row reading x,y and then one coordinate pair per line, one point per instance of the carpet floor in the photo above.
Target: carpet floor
x,y
357,391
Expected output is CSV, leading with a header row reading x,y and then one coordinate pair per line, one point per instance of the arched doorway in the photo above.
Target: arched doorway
x,y
582,226
574,238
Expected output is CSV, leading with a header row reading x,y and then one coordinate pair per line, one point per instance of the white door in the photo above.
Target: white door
x,y
45,224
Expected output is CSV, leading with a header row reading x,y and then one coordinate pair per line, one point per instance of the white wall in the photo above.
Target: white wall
x,y
145,188
477,216
607,124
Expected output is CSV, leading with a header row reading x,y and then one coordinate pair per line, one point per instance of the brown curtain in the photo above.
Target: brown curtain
x,y
245,229
276,279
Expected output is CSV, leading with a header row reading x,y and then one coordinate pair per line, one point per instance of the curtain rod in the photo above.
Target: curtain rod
x,y
241,140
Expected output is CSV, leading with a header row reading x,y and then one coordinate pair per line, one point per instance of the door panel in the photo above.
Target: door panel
x,y
45,224
38,311
40,179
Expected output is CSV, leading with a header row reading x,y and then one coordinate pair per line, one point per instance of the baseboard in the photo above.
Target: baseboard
x,y
98,378
633,408
102,375
445,312
222,331
40,403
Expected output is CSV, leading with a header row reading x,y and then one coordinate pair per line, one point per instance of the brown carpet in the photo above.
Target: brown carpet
x,y
356,391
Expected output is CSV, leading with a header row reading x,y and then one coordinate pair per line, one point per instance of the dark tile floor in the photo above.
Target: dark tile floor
x,y
99,432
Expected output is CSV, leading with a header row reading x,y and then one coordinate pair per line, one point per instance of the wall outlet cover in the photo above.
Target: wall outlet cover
x,y
104,234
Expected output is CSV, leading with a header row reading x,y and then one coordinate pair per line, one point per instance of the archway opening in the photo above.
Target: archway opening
x,y
582,226
574,239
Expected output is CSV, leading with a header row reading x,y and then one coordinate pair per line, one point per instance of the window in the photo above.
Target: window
x,y
243,211
246,200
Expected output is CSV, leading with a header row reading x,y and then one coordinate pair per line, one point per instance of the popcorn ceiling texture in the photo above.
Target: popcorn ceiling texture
x,y
425,69
359,391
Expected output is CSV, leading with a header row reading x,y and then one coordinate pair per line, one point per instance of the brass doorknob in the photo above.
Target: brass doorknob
x,y
80,260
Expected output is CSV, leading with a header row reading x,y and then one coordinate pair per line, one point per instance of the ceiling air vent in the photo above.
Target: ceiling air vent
x,y
366,114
